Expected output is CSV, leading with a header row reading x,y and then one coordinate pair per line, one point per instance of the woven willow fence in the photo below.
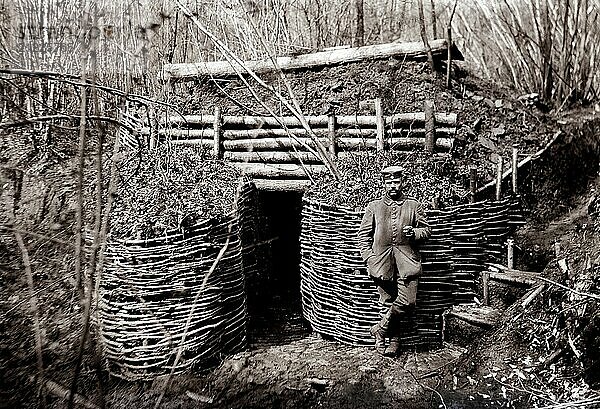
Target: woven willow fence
x,y
340,300
154,302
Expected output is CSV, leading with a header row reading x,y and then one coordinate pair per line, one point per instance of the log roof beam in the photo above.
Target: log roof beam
x,y
220,69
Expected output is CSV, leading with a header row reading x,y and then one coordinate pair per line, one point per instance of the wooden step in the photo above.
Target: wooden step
x,y
481,316
498,272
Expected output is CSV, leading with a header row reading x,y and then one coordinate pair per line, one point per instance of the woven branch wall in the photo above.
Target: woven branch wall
x,y
148,295
340,300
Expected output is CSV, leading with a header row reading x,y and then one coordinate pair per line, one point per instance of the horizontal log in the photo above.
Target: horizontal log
x,y
280,156
272,143
63,393
481,316
271,157
420,132
394,143
281,171
414,50
187,133
356,132
208,143
318,120
347,143
280,185
268,133
419,117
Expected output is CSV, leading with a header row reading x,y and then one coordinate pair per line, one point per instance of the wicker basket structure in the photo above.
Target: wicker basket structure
x,y
341,301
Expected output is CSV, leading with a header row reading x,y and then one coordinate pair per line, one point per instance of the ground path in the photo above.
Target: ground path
x,y
309,372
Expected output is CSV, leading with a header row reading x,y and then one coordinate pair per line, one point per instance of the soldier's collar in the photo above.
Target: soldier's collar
x,y
389,201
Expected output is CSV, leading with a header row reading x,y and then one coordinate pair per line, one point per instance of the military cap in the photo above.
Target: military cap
x,y
392,170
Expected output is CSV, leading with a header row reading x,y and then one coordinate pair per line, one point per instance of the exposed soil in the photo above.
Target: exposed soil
x,y
310,372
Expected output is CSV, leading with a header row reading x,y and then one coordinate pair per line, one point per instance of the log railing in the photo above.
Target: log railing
x,y
279,147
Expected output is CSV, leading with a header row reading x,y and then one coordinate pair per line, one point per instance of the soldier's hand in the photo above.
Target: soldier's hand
x,y
408,231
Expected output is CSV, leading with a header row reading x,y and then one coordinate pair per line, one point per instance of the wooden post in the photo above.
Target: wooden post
x,y
218,134
429,127
499,178
153,124
380,120
485,283
510,261
557,249
472,183
515,165
332,137
449,60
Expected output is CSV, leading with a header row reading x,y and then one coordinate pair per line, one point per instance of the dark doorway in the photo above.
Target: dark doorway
x,y
274,301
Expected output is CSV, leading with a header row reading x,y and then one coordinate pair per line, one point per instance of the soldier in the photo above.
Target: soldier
x,y
390,228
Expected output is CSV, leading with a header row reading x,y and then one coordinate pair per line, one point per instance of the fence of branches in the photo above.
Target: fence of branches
x,y
340,300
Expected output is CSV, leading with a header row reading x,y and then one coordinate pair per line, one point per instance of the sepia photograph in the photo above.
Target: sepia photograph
x,y
346,204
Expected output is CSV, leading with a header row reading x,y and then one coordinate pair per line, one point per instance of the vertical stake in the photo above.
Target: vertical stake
x,y
218,128
380,120
485,283
429,127
473,183
331,122
515,166
499,178
510,261
449,60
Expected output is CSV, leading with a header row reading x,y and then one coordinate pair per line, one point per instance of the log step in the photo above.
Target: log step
x,y
504,274
481,316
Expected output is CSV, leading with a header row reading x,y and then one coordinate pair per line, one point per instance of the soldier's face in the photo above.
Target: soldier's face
x,y
394,185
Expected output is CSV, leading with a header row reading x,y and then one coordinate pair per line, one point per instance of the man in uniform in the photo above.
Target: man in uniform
x,y
390,228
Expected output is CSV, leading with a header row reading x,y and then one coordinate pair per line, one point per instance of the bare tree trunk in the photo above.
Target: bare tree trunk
x,y
424,37
546,50
563,87
79,263
433,20
33,302
360,23
80,166
99,193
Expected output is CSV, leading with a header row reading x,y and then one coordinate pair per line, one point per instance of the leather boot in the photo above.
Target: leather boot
x,y
379,334
393,348
380,330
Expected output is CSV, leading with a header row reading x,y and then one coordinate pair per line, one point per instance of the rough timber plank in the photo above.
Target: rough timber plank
x,y
323,58
507,275
282,171
480,316
280,185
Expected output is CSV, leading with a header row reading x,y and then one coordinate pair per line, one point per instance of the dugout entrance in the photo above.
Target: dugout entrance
x,y
274,301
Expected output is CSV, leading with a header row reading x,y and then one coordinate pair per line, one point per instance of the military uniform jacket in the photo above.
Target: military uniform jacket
x,y
383,246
